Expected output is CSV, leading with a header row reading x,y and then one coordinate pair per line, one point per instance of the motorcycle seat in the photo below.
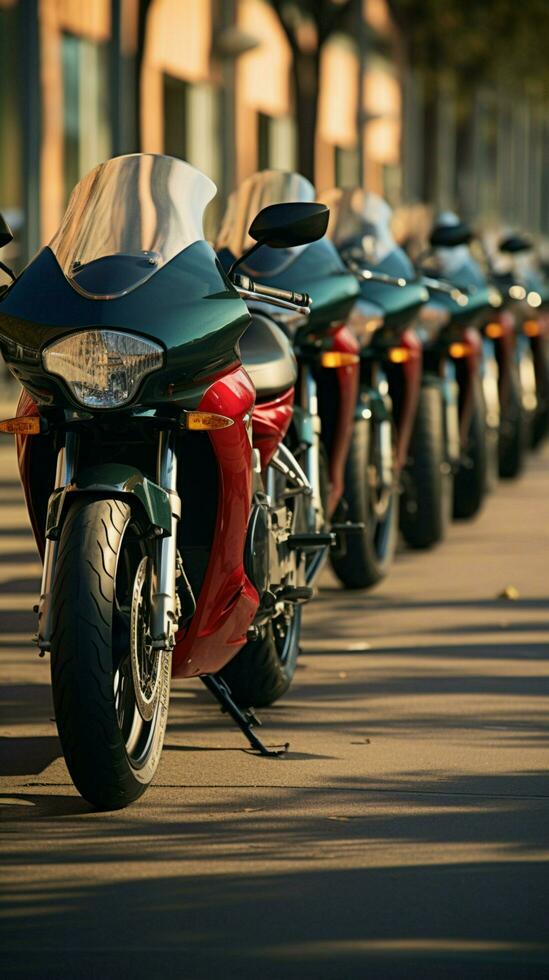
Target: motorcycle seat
x,y
268,357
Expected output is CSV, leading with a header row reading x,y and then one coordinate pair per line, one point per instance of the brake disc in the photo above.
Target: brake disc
x,y
145,661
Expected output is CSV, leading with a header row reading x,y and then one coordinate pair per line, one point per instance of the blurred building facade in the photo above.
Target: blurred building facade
x,y
211,81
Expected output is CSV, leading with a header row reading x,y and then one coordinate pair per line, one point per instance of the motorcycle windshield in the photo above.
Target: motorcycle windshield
x,y
257,192
360,221
126,219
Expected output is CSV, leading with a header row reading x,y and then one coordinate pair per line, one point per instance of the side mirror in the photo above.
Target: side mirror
x,y
514,244
287,225
450,236
6,234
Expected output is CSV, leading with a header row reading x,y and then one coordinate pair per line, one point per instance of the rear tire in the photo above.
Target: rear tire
x,y
263,669
367,556
426,504
112,754
471,479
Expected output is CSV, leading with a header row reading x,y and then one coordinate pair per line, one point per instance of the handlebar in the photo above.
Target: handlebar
x,y
439,286
285,298
370,276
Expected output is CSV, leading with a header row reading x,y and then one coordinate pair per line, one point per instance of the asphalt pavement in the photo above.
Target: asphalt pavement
x,y
406,834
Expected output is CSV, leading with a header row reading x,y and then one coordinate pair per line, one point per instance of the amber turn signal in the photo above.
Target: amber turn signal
x,y
338,359
458,350
26,425
399,355
493,330
531,328
205,421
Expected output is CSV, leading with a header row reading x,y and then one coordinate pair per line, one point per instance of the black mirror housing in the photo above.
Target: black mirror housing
x,y
450,236
288,225
6,234
514,244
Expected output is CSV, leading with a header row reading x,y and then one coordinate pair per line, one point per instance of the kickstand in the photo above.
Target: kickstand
x,y
244,719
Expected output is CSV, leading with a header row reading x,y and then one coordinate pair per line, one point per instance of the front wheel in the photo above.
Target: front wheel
x,y
367,556
426,502
110,688
471,479
513,436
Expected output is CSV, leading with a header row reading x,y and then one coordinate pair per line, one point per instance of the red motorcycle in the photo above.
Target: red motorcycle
x,y
172,515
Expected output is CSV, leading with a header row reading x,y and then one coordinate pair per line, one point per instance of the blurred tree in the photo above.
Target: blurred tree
x,y
308,24
480,46
494,40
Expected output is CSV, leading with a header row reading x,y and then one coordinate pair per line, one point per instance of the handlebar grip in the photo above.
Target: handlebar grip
x,y
286,295
300,299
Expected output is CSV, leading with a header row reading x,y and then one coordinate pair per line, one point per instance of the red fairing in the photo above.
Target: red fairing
x,y
228,600
23,444
348,379
270,423
411,369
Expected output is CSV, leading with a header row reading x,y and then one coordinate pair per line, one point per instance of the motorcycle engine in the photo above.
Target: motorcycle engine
x,y
268,561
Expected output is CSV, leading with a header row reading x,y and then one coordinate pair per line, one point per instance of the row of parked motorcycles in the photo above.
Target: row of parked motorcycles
x,y
202,428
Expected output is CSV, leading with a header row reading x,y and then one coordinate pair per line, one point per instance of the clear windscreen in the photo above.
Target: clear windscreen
x,y
257,192
128,218
361,221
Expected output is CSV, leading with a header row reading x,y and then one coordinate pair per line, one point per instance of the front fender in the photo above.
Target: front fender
x,y
118,480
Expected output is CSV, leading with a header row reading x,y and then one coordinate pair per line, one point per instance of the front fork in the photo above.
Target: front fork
x,y
164,601
376,406
64,473
450,393
490,384
309,405
164,604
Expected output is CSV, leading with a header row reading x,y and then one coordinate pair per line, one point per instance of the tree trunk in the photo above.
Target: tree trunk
x,y
306,72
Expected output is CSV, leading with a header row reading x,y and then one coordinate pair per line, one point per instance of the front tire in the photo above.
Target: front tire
x,y
426,503
368,556
471,479
513,436
99,592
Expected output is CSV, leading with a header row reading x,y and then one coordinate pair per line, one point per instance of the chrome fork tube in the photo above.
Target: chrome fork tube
x,y
66,458
309,401
164,617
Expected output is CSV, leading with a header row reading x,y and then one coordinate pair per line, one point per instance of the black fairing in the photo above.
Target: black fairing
x,y
188,306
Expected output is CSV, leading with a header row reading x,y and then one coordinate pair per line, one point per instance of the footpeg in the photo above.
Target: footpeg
x,y
309,541
296,594
244,719
349,528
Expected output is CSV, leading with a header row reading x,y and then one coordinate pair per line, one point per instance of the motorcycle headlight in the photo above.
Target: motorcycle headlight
x,y
102,368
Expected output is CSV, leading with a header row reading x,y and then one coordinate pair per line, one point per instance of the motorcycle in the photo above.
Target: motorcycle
x,y
399,324
326,350
465,350
380,462
526,282
169,510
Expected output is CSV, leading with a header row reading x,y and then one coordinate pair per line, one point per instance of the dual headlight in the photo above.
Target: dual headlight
x,y
102,368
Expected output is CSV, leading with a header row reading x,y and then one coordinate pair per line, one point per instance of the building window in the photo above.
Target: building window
x,y
11,190
347,167
192,121
86,126
276,142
